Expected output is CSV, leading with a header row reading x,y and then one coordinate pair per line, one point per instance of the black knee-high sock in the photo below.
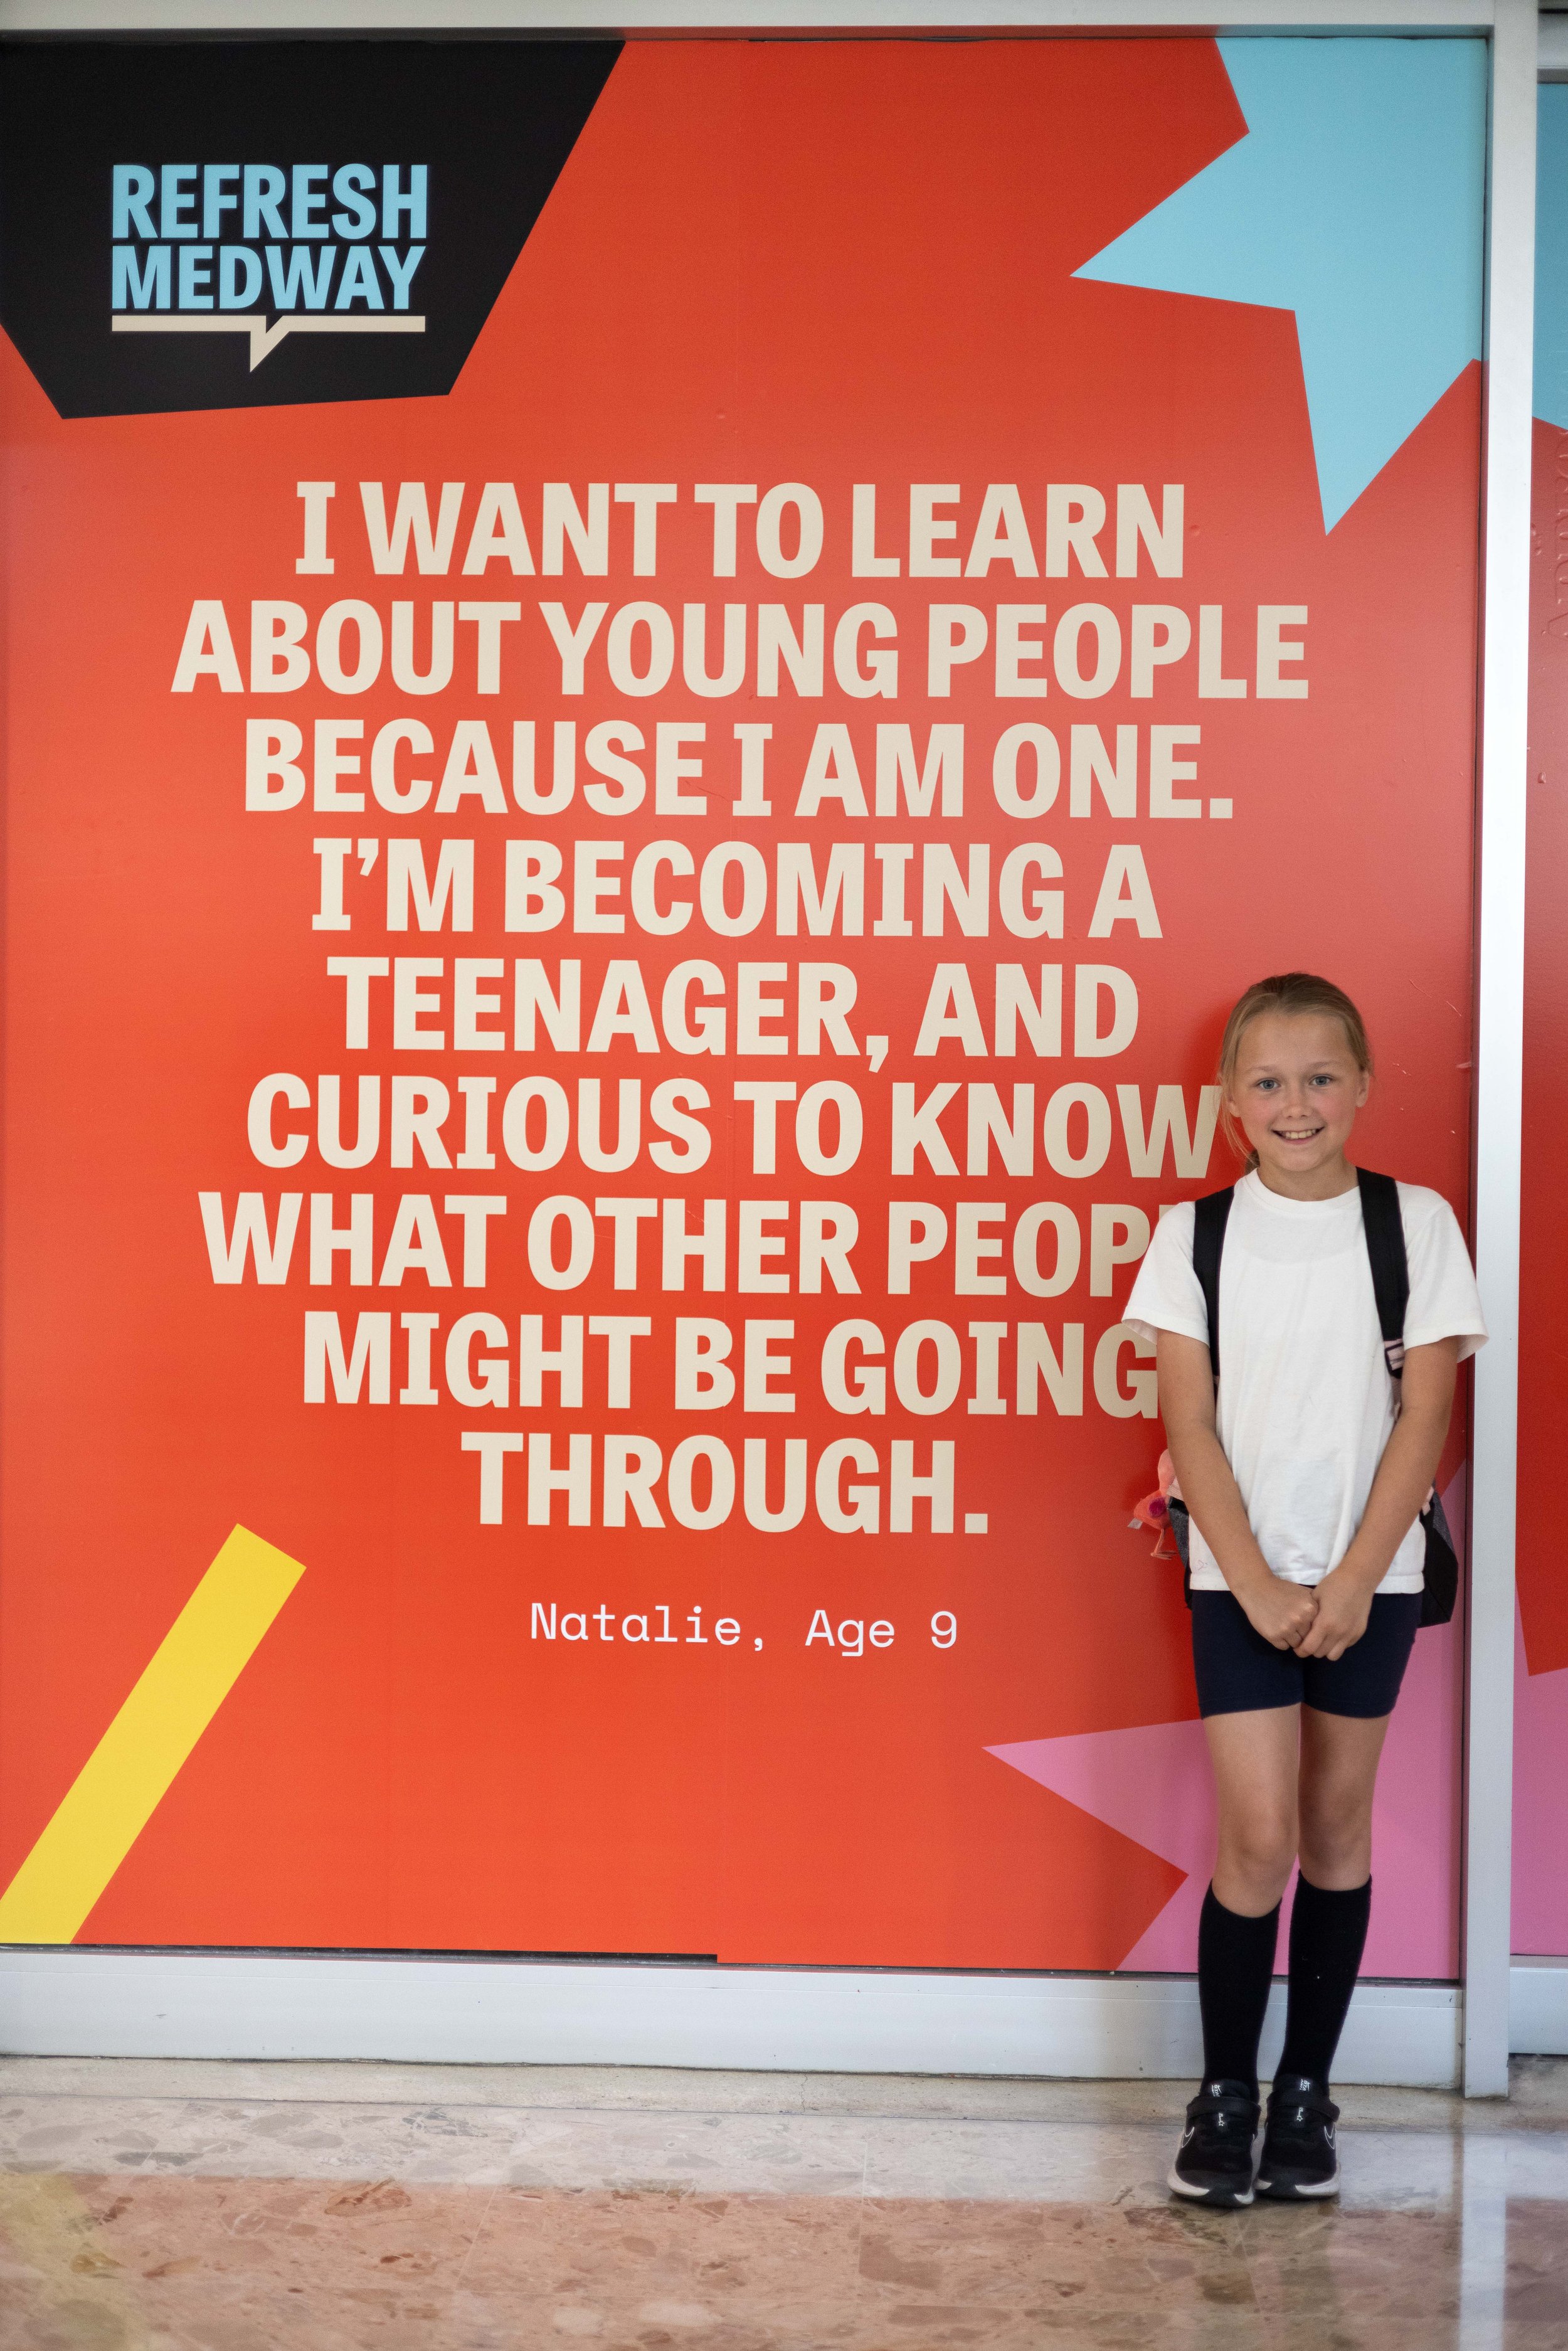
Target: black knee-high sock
x,y
1235,1968
1328,1935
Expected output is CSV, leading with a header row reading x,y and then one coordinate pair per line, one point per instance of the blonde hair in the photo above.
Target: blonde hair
x,y
1290,993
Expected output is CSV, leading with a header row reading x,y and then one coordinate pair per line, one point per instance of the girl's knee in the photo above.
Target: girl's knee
x,y
1260,1848
1333,1862
1335,1822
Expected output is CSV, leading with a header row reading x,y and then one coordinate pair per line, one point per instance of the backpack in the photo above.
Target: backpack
x,y
1385,1229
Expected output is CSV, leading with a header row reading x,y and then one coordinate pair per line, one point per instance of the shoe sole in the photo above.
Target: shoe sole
x,y
1289,2192
1223,2199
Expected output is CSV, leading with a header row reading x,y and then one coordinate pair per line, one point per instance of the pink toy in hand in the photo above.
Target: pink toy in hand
x,y
1153,1511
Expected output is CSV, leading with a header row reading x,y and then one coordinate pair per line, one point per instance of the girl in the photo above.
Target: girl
x,y
1304,1474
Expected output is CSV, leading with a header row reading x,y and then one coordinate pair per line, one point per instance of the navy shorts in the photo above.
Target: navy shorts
x,y
1237,1670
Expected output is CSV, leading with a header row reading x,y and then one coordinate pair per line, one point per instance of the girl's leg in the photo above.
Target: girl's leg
x,y
1256,1766
1333,1897
1340,1754
1255,1757
1254,1769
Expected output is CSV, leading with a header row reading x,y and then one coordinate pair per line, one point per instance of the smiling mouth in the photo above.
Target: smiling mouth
x,y
1294,1134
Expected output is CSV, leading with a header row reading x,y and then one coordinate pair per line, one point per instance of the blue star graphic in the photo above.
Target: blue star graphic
x,y
1356,199
1552,257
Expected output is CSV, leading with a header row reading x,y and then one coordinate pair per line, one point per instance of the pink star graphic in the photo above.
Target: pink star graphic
x,y
1539,1812
1153,1784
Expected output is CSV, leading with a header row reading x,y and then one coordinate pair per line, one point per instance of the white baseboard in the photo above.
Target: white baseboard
x,y
1537,2008
62,2002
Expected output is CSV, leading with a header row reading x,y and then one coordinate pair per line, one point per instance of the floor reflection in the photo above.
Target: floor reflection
x,y
200,2208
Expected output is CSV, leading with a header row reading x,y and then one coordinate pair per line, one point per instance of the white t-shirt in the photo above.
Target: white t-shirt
x,y
1305,1402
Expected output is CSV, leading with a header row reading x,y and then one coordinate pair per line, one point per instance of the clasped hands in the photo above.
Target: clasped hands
x,y
1321,1620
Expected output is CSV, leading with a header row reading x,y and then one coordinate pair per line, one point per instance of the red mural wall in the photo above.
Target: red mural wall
x,y
1090,724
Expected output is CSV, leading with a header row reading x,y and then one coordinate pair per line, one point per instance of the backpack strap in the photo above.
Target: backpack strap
x,y
1385,1229
1209,1217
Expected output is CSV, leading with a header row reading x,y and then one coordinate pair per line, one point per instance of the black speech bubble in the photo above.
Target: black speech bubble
x,y
495,121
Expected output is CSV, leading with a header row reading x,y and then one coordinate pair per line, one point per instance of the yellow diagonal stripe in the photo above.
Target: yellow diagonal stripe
x,y
134,1764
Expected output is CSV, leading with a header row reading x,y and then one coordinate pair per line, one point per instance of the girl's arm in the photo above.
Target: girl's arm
x,y
1398,1496
1283,1612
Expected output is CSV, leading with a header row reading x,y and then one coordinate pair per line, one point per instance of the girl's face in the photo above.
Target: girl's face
x,y
1295,1096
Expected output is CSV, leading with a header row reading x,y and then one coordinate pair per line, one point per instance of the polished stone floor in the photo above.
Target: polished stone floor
x,y
200,2206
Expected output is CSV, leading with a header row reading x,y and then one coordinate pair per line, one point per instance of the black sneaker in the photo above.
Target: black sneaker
x,y
1214,2161
1300,2157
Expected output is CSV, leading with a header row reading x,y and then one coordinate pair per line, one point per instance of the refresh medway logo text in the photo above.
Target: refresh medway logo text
x,y
219,248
